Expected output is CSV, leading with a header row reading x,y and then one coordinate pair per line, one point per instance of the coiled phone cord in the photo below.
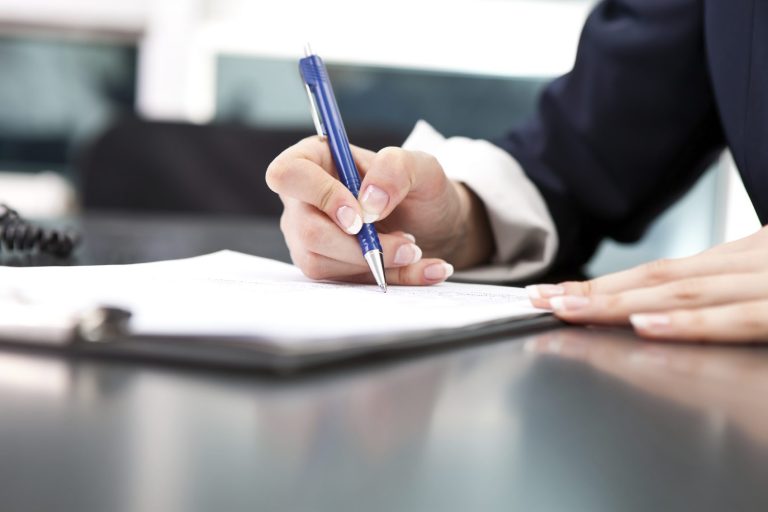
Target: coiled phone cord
x,y
18,234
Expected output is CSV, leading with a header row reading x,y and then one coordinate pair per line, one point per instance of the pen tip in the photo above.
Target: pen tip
x,y
307,49
376,262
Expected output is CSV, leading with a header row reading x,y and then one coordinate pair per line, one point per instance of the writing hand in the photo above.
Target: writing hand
x,y
424,220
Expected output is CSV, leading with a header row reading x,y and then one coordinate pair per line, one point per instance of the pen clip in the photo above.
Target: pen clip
x,y
315,113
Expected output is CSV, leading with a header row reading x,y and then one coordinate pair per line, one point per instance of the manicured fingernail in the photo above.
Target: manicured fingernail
x,y
569,303
438,272
407,254
349,218
373,201
650,322
544,291
410,237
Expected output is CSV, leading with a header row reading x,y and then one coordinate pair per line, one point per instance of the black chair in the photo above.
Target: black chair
x,y
139,165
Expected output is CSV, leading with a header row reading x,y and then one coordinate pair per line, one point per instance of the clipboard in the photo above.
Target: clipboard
x,y
104,332
235,309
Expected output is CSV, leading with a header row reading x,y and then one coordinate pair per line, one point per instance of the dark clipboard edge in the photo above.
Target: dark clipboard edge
x,y
254,353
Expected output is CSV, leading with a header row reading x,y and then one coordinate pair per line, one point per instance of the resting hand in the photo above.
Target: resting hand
x,y
424,220
718,295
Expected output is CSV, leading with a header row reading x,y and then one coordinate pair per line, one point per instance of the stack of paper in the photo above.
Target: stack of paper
x,y
233,294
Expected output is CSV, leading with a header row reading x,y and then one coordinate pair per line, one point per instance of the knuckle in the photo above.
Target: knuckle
x,y
657,271
405,275
613,303
391,155
432,161
580,287
392,162
754,316
431,166
326,195
688,290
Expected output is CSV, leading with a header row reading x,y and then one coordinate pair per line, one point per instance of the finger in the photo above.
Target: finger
x,y
398,250
425,272
308,230
684,294
316,150
307,182
394,173
662,271
428,271
745,322
306,172
320,236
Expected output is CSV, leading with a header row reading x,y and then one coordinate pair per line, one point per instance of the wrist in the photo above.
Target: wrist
x,y
474,244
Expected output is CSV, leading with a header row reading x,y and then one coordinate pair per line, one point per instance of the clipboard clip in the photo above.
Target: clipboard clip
x,y
49,323
102,324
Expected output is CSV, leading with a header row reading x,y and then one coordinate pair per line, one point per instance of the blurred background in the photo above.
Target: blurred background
x,y
179,105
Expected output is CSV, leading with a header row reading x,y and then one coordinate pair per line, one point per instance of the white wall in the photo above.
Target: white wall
x,y
179,39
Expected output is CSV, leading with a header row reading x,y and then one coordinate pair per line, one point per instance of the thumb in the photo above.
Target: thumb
x,y
393,174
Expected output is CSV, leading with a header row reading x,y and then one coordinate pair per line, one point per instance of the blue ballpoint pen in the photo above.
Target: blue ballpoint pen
x,y
327,119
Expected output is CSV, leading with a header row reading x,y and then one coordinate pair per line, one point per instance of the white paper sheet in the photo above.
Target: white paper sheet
x,y
233,294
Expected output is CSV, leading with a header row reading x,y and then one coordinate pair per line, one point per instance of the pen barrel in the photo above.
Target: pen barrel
x,y
369,239
316,78
315,75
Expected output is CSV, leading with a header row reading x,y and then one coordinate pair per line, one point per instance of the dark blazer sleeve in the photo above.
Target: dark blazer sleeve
x,y
628,130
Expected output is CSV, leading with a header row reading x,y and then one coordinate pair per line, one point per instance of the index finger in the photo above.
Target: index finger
x,y
315,149
305,172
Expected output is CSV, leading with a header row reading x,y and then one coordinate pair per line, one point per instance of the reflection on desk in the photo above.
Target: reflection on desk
x,y
728,385
490,427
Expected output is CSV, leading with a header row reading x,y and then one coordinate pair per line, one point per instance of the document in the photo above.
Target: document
x,y
233,294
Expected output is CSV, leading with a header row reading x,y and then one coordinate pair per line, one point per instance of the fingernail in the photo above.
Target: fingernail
x,y
349,218
407,254
544,291
568,303
410,237
438,271
650,322
373,202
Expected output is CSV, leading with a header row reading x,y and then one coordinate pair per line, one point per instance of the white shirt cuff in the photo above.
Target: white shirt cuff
x,y
526,238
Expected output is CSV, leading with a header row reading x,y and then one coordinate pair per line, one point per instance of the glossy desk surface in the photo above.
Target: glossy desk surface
x,y
600,422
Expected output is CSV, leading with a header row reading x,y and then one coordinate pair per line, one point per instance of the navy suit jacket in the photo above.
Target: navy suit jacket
x,y
658,89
